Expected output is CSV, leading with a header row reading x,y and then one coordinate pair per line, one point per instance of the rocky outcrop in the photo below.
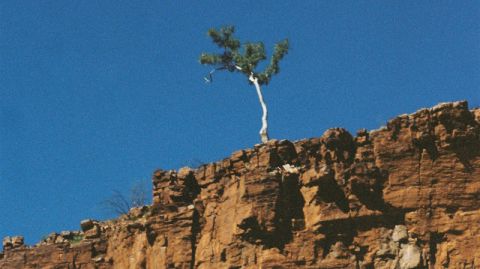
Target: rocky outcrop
x,y
403,196
14,242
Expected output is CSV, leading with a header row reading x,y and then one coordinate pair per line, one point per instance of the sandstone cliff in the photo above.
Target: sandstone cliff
x,y
403,196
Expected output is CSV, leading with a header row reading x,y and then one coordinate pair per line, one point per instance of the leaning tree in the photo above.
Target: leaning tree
x,y
244,58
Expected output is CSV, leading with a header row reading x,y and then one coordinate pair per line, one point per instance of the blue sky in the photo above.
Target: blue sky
x,y
96,95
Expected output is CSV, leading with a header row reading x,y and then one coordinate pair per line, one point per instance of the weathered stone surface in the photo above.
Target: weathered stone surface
x,y
404,196
399,233
410,256
87,224
12,242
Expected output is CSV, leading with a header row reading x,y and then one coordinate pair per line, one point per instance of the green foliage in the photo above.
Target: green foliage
x,y
76,239
244,59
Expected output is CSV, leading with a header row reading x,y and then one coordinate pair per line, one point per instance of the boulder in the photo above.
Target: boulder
x,y
410,256
87,224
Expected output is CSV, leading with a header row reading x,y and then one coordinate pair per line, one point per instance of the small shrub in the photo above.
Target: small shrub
x,y
76,239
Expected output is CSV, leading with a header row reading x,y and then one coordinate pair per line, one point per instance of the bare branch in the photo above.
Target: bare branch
x,y
119,204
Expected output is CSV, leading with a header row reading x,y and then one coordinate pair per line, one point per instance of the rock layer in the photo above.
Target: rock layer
x,y
404,196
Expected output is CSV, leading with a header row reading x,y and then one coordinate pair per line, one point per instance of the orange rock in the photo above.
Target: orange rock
x,y
404,196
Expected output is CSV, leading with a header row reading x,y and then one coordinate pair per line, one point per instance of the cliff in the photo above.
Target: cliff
x,y
403,196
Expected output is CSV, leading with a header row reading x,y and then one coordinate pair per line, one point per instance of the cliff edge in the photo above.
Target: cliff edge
x,y
403,196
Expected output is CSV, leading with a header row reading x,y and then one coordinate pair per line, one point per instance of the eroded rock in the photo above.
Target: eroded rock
x,y
403,196
410,256
400,233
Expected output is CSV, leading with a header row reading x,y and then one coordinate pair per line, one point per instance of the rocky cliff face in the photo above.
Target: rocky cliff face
x,y
404,196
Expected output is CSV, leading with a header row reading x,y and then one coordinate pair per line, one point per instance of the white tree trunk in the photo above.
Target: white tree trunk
x,y
263,131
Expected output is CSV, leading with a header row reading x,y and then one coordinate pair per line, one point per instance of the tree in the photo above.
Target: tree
x,y
245,60
120,204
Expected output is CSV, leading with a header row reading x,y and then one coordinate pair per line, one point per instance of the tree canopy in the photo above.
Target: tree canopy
x,y
243,58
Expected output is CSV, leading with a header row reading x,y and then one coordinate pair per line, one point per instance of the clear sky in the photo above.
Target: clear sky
x,y
96,95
